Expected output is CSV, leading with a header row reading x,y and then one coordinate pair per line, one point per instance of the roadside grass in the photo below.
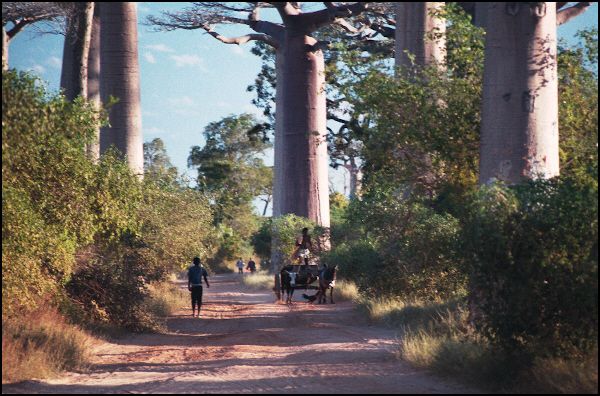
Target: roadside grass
x,y
165,299
345,290
41,345
261,280
437,337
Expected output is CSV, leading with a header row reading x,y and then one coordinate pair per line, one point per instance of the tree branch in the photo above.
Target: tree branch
x,y
314,20
565,15
241,39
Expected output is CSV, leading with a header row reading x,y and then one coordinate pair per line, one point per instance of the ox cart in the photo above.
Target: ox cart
x,y
304,277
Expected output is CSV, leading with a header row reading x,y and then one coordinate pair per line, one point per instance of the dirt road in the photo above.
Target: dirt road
x,y
246,343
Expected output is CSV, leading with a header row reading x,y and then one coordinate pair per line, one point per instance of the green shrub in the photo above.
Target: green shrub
x,y
410,250
46,182
534,255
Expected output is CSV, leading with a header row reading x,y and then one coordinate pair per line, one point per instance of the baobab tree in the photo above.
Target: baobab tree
x,y
300,180
21,14
120,78
93,80
519,127
419,34
74,73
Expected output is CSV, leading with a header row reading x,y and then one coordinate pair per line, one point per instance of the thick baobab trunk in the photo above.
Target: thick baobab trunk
x,y
93,81
415,27
4,49
73,77
519,127
304,158
278,144
300,183
120,78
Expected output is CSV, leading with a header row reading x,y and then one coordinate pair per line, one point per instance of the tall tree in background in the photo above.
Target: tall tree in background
x,y
232,174
74,73
366,40
419,34
300,182
157,164
120,78
93,80
519,132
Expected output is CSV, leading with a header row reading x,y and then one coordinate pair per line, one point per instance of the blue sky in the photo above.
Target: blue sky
x,y
188,79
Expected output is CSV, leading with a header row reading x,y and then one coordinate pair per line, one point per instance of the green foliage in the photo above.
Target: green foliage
x,y
578,107
46,180
231,173
157,165
261,240
534,255
410,249
93,233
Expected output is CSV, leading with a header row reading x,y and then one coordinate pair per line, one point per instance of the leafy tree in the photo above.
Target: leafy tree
x,y
232,175
157,164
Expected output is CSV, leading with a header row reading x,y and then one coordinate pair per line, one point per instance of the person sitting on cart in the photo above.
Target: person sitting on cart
x,y
304,245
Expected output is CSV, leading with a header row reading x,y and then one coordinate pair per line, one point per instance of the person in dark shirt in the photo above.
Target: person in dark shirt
x,y
195,275
251,265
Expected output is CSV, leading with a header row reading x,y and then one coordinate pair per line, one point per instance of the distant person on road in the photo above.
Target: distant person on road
x,y
251,265
240,266
195,275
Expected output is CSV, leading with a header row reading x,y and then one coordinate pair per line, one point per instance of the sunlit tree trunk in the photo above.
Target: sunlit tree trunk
x,y
415,26
93,82
304,148
74,71
519,127
120,79
278,143
4,49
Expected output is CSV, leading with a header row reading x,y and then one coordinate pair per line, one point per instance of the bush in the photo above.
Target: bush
x,y
409,250
534,255
46,182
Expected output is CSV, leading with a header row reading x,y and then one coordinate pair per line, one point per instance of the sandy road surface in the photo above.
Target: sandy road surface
x,y
246,343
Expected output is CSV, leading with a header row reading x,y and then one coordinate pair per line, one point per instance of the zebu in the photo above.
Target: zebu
x,y
295,277
326,281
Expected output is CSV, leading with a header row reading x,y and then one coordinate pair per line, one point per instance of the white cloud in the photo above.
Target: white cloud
x,y
54,62
153,131
188,60
237,50
142,8
149,57
159,47
37,68
183,101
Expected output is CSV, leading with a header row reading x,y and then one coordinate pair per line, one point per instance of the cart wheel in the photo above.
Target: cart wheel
x,y
277,287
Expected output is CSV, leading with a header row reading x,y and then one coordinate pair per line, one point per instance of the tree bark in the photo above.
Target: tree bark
x,y
5,43
93,81
278,184
120,79
414,23
73,77
355,178
304,156
519,128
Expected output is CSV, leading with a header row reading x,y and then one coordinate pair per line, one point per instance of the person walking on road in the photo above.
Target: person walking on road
x,y
251,266
240,266
195,275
